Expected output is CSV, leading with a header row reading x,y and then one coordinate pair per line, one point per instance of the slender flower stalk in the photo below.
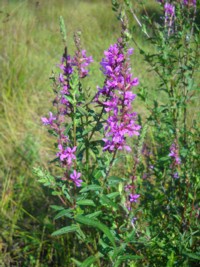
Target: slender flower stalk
x,y
65,109
174,154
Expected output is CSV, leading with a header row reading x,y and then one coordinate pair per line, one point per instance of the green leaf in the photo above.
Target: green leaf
x,y
190,196
97,174
69,98
82,111
86,131
86,202
56,193
91,152
45,177
113,195
55,207
66,213
94,214
117,251
192,255
115,180
108,202
88,261
68,127
92,187
74,83
125,258
65,230
96,224
165,158
78,263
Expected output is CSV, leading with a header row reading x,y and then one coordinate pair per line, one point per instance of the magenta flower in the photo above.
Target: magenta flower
x,y
66,155
174,153
81,61
48,121
190,2
175,175
169,9
66,66
75,178
133,197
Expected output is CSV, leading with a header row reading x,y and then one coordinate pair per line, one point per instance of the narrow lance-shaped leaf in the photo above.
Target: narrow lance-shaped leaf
x,y
96,224
88,261
65,230
86,202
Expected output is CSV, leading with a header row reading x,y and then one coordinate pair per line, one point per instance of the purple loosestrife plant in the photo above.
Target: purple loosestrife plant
x,y
170,18
83,136
99,210
66,104
168,205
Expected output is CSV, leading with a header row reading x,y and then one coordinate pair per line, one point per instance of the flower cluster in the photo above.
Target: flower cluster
x,y
82,61
75,178
132,197
66,155
57,122
174,154
190,3
169,10
50,120
118,98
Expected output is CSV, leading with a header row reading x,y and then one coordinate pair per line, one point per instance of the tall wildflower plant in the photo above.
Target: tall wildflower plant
x,y
170,167
98,208
129,190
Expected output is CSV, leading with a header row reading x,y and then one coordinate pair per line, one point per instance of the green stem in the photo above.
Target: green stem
x,y
110,165
98,120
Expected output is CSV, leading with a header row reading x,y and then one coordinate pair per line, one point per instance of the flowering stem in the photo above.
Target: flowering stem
x,y
87,149
74,124
97,122
111,164
138,22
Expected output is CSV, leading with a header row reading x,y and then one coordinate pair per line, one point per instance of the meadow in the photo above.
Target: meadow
x,y
30,49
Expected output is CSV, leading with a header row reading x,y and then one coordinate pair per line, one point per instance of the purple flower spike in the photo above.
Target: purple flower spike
x,y
119,97
190,2
81,61
169,9
174,153
75,178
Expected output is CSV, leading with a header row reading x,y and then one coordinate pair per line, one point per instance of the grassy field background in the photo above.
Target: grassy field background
x,y
30,48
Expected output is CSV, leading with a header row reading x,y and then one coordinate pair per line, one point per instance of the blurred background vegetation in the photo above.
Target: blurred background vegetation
x,y
30,48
